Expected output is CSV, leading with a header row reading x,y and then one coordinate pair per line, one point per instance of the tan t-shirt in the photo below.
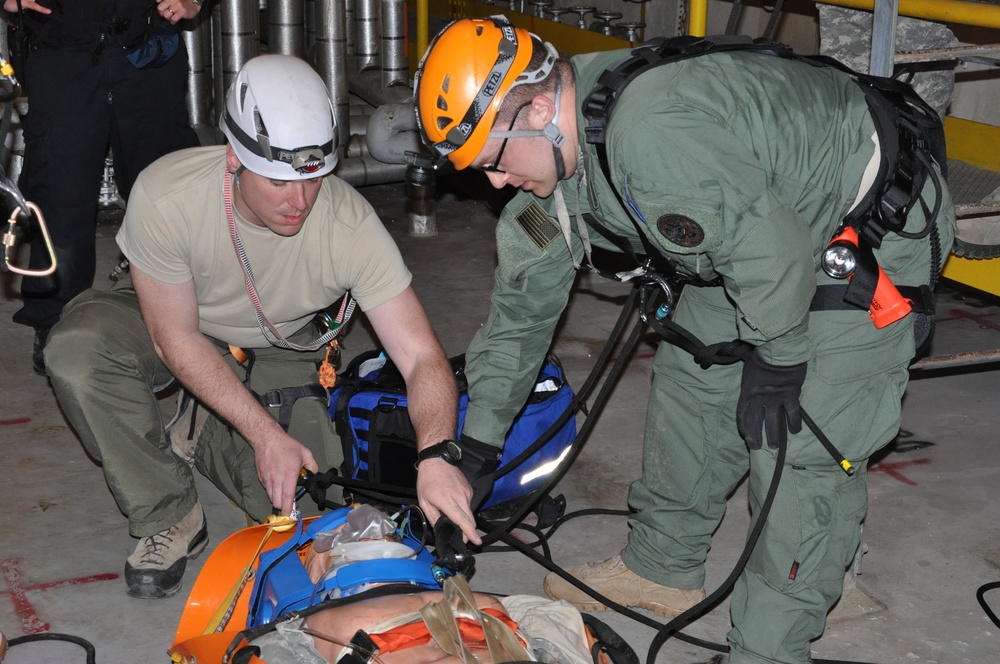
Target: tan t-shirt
x,y
175,230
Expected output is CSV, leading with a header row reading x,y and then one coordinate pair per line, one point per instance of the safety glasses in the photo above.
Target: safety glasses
x,y
506,135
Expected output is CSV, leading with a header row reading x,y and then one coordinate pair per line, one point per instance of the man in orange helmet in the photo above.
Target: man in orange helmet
x,y
729,172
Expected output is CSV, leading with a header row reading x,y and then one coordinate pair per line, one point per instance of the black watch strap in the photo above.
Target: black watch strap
x,y
449,450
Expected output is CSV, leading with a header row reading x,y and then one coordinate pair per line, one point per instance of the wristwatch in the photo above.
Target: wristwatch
x,y
448,450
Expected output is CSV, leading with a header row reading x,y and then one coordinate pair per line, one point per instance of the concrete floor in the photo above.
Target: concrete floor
x,y
932,532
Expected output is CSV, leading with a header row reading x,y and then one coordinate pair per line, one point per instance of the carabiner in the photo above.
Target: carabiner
x,y
9,237
650,285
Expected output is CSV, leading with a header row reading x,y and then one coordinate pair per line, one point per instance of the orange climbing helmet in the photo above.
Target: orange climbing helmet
x,y
463,78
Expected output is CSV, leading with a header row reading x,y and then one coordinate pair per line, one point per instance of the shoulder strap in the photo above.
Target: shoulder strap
x,y
598,104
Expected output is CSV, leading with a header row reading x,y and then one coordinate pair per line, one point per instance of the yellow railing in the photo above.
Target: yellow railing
x,y
948,11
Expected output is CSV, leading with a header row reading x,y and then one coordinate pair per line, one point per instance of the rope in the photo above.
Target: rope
x,y
268,329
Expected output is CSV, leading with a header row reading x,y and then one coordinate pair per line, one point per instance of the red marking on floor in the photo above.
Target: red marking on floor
x,y
975,318
16,420
31,623
892,469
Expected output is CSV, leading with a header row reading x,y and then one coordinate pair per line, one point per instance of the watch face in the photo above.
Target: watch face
x,y
454,451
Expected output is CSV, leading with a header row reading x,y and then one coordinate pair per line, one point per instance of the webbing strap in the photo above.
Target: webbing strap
x,y
598,104
833,297
284,398
439,617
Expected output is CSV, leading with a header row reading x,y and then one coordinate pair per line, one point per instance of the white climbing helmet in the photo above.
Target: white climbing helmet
x,y
279,119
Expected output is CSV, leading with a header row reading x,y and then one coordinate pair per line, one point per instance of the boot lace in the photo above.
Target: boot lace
x,y
156,547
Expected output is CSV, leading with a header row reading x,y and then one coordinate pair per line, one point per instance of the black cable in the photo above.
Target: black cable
x,y
930,220
695,611
596,511
541,540
982,601
579,401
618,608
492,533
52,636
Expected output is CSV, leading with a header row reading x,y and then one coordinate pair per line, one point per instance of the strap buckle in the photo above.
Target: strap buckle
x,y
273,398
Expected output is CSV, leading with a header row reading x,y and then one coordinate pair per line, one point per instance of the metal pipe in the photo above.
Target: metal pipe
x,y
356,147
883,38
948,11
331,59
366,170
392,132
349,24
395,66
198,92
366,35
423,29
698,21
421,203
309,13
286,27
368,86
239,36
358,125
218,85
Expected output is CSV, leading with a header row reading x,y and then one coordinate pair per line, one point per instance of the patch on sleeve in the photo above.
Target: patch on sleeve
x,y
682,231
679,222
537,225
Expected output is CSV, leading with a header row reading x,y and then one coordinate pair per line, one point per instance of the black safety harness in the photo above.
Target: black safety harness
x,y
909,131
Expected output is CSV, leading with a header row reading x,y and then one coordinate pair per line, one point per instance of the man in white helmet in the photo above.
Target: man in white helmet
x,y
233,251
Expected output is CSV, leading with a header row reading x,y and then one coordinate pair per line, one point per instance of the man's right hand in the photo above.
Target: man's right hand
x,y
11,6
279,461
443,490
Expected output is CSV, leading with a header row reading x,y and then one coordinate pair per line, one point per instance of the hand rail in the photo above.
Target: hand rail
x,y
949,11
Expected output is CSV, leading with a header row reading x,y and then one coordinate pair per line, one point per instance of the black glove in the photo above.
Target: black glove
x,y
450,551
769,398
479,465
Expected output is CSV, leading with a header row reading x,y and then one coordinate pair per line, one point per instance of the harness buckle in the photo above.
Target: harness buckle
x,y
273,398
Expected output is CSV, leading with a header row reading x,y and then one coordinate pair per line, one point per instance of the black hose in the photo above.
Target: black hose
x,y
982,601
680,621
51,636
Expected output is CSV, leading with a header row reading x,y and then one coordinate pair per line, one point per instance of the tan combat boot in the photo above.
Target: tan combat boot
x,y
617,582
155,568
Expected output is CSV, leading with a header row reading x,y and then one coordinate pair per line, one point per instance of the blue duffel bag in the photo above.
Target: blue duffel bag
x,y
368,407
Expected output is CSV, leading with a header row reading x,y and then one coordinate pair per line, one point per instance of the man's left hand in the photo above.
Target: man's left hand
x,y
443,489
177,10
769,399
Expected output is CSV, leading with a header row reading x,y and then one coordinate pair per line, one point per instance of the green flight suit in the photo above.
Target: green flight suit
x,y
739,166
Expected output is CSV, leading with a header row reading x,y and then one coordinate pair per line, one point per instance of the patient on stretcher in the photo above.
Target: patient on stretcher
x,y
453,626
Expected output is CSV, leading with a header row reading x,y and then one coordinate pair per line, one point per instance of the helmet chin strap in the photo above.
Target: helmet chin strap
x,y
550,131
557,137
